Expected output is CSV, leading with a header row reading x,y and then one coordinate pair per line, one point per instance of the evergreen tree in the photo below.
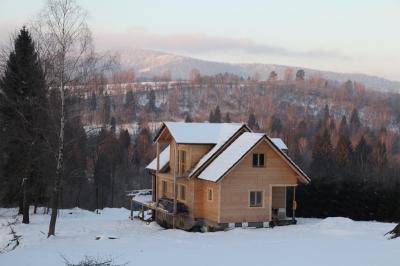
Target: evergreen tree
x,y
211,117
343,128
24,117
322,155
188,118
151,97
227,118
355,122
113,125
93,102
252,122
362,159
343,157
217,115
276,125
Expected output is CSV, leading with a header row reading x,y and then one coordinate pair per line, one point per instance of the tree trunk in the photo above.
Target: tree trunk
x,y
60,166
25,211
20,204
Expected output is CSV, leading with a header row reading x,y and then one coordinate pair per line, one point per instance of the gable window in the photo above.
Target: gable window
x,y
182,192
164,187
210,194
182,162
255,199
258,160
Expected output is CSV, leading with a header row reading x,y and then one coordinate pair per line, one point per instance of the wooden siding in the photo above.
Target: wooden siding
x,y
203,208
193,154
278,197
243,178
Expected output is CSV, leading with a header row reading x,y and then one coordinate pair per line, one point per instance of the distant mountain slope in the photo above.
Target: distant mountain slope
x,y
149,63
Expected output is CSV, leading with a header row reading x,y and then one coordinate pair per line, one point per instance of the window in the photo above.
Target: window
x,y
164,187
210,194
258,160
182,162
182,192
256,199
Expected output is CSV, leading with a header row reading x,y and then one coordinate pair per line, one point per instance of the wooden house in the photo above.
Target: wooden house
x,y
220,175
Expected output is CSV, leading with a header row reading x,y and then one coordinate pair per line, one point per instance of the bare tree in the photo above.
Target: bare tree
x,y
65,43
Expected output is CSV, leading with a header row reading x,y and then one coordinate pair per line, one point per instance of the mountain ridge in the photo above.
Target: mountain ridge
x,y
150,63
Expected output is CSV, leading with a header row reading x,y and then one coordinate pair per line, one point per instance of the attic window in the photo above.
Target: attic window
x,y
258,160
182,162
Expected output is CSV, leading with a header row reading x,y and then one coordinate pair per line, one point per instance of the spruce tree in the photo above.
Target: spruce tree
x,y
211,117
322,155
343,157
24,115
355,122
251,122
227,118
343,128
217,115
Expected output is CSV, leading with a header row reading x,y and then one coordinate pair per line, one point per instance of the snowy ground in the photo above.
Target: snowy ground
x,y
331,241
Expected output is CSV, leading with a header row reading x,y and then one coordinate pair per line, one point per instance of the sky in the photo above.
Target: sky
x,y
358,36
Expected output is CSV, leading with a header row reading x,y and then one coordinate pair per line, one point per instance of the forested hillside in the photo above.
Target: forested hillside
x,y
345,137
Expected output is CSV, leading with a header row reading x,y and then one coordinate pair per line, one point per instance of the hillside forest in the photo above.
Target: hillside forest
x,y
344,136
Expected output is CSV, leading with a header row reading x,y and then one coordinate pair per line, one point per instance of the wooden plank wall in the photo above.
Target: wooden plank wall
x,y
244,177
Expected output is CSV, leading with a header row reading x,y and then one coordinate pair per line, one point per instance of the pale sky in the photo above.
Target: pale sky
x,y
360,36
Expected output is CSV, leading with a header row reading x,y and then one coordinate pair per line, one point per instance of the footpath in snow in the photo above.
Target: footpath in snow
x,y
110,234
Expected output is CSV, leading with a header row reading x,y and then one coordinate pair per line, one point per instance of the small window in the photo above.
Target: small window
x,y
164,187
255,198
258,160
182,192
210,194
182,162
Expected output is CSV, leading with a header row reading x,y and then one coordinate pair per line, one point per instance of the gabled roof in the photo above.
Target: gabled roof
x,y
279,143
164,160
237,150
200,133
227,159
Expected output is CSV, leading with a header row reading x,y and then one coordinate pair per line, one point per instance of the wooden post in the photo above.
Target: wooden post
x,y
132,208
294,205
176,157
155,196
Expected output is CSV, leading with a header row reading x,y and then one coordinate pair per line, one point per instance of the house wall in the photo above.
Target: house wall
x,y
194,152
204,208
236,185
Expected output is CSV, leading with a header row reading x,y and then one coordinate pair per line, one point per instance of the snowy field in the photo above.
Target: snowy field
x,y
331,241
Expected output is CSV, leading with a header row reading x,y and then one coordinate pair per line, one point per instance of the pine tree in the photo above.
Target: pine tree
x,y
188,118
343,157
217,115
211,117
24,112
227,118
355,122
343,128
151,97
276,125
93,102
362,159
322,155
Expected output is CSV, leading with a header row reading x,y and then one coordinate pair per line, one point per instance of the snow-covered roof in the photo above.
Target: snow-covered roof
x,y
202,133
279,143
230,156
164,160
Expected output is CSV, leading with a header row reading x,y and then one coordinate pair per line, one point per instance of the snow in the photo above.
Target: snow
x,y
230,156
164,160
201,133
279,143
312,242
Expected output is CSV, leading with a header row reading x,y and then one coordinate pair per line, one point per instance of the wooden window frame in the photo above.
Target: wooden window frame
x,y
257,157
182,163
262,198
180,186
164,188
210,191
